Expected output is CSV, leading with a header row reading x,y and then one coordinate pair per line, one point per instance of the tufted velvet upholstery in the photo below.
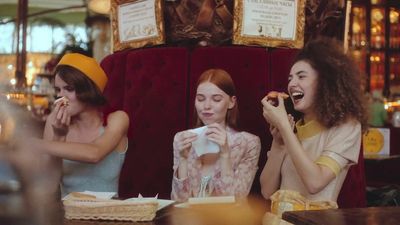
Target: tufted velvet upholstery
x,y
116,77
152,90
156,87
353,193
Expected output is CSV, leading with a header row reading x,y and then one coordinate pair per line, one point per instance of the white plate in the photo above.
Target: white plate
x,y
207,201
182,205
162,203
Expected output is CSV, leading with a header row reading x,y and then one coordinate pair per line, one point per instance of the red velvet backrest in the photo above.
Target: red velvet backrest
x,y
114,66
281,62
155,100
353,192
156,87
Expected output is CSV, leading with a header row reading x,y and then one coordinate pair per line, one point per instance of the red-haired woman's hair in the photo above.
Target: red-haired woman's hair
x,y
223,81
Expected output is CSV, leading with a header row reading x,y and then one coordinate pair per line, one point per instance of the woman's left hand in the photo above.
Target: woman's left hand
x,y
217,133
274,115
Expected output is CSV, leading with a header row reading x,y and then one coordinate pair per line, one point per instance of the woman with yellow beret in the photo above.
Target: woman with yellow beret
x,y
92,153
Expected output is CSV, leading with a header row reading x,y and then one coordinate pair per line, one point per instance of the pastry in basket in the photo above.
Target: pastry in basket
x,y
80,195
88,207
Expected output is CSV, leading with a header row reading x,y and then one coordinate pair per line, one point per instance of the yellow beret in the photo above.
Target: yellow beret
x,y
86,65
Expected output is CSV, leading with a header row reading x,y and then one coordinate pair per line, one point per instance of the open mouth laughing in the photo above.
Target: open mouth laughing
x,y
296,95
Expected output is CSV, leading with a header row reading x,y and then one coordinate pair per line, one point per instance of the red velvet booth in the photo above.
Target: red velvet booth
x,y
156,87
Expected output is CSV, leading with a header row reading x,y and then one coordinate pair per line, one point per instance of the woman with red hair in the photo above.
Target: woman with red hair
x,y
229,170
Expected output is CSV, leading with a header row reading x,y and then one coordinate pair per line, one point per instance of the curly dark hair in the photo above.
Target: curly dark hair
x,y
340,94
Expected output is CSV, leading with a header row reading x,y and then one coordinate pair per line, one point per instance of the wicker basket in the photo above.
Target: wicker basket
x,y
96,209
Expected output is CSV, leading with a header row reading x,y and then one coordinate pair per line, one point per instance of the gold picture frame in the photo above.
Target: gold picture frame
x,y
271,23
137,23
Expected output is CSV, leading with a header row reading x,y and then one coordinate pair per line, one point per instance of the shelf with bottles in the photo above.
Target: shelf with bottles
x,y
394,39
378,18
394,71
358,34
375,43
377,70
359,57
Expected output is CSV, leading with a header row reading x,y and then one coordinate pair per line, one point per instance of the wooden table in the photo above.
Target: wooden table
x,y
210,215
230,214
355,216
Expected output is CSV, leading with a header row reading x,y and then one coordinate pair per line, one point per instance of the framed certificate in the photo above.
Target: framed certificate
x,y
136,23
271,23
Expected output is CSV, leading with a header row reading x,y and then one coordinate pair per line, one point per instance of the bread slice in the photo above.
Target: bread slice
x,y
80,195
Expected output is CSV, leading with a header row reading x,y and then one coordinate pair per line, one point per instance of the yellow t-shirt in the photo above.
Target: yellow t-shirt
x,y
337,148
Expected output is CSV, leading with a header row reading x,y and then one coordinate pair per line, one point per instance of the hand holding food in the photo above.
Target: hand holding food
x,y
64,101
61,118
272,97
274,110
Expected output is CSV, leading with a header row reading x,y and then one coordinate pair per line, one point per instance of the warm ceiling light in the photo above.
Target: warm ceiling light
x,y
100,6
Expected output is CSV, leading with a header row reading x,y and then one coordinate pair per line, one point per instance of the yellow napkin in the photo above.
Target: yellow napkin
x,y
287,200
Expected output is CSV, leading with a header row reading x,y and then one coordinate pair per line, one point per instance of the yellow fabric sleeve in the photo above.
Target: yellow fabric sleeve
x,y
330,163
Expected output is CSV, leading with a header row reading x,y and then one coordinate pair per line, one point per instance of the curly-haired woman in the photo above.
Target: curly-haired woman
x,y
325,87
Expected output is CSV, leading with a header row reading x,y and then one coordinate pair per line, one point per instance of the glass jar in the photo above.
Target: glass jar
x,y
396,119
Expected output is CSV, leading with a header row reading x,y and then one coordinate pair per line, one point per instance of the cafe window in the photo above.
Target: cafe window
x,y
7,45
53,40
43,38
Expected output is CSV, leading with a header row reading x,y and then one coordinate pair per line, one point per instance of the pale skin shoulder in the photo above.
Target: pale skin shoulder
x,y
113,137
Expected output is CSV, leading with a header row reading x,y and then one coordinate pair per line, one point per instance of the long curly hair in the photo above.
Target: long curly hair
x,y
340,95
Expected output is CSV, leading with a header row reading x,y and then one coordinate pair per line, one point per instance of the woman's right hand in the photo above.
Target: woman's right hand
x,y
183,142
275,132
61,120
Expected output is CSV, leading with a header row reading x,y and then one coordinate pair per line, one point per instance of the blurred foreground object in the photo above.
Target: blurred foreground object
x,y
7,125
248,212
32,204
286,200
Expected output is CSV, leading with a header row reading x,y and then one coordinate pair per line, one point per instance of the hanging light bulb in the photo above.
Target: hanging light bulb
x,y
99,6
